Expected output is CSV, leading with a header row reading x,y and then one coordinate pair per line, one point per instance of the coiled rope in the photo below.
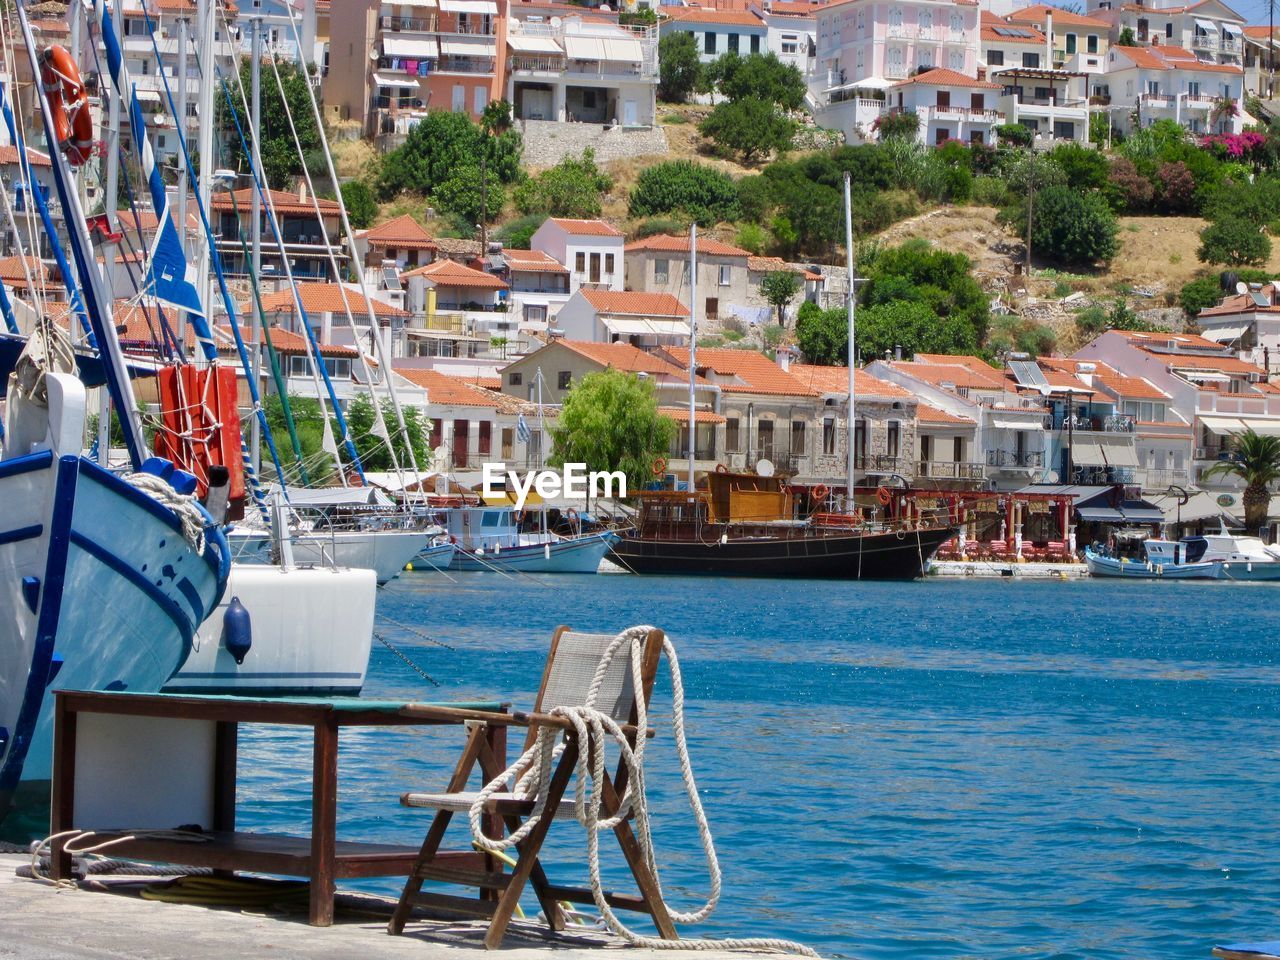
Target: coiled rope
x,y
188,511
532,773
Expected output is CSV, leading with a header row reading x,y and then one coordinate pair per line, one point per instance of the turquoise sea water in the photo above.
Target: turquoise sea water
x,y
941,769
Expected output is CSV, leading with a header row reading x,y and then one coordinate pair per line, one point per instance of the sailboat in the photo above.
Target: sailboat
x,y
104,578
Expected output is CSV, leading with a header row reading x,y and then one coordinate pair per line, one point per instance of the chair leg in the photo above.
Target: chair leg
x,y
413,883
529,850
541,886
645,880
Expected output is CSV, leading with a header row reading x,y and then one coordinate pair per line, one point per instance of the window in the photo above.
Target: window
x,y
926,447
437,432
764,439
595,268
895,17
733,43
861,23
925,58
955,60
1091,43
829,436
1071,43
944,98
508,443
608,263
926,21
516,379
1168,30
1031,60
709,42
790,43
481,98
661,271
160,141
995,58
1193,88
860,442
564,379
755,43
977,102
893,438
797,438
535,313
713,308
484,441
957,449
726,274
732,441
957,23
579,263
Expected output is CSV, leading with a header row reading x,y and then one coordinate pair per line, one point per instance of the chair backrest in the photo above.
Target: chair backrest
x,y
572,664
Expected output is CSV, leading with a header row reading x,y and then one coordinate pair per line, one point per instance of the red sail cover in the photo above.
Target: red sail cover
x,y
201,423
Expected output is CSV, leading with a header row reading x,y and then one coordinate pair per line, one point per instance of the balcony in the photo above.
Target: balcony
x,y
1163,479
883,463
408,24
602,69
1010,459
1205,41
949,470
967,114
545,65
1118,423
928,34
1158,100
465,65
899,31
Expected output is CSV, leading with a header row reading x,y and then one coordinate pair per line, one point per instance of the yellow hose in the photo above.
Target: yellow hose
x,y
229,892
510,862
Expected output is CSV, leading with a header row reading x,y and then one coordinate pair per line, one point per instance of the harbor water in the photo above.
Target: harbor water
x,y
936,769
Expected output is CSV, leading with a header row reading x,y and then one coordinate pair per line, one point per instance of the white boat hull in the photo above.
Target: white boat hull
x,y
578,555
1250,571
386,552
434,558
100,591
311,633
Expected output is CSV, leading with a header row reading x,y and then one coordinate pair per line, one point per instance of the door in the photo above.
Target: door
x,y
460,443
944,99
764,439
459,98
630,113
485,438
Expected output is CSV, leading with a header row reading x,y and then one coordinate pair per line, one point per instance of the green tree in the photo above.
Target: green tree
x,y
309,424
1014,134
518,234
439,146
610,421
1084,168
1126,38
1099,128
373,449
1069,227
460,196
899,125
679,67
280,157
940,281
823,335
750,127
760,76
362,209
1257,463
1235,242
913,326
780,288
571,188
1198,294
682,186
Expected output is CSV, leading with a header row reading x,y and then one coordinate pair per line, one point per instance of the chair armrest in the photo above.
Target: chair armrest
x,y
563,724
443,714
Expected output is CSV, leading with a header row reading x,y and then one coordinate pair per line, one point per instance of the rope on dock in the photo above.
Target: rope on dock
x,y
532,773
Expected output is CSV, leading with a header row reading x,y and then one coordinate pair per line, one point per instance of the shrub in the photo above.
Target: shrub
x,y
752,237
518,234
1126,188
1233,241
682,186
1012,333
679,66
461,196
1014,134
750,127
362,209
1085,169
571,188
915,327
958,184
755,197
989,192
656,225
938,279
1175,187
1198,294
900,125
1072,228
822,335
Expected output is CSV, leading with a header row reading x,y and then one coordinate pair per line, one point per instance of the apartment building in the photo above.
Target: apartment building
x,y
1160,82
1248,323
304,222
1210,28
1261,51
718,31
576,68
1079,42
1037,91
592,250
644,320
792,32
660,264
391,62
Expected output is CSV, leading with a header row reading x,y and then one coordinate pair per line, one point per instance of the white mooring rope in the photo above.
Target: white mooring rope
x,y
188,511
533,773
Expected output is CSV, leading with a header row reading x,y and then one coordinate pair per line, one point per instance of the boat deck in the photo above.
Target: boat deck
x,y
42,923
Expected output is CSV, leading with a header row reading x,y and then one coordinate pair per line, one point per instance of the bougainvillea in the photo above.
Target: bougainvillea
x,y
1235,145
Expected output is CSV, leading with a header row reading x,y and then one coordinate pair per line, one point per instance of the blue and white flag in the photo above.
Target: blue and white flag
x,y
523,434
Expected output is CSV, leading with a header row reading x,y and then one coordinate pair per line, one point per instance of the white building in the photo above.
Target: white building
x,y
1048,99
717,31
792,32
1170,83
592,250
641,319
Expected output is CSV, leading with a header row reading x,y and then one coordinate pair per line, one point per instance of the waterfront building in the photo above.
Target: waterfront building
x,y
1248,323
1209,389
1146,84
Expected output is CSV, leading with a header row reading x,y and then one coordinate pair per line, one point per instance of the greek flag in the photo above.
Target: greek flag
x,y
522,430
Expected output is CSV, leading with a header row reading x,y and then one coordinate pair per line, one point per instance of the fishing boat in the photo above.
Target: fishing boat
x,y
1211,557
745,525
492,539
436,557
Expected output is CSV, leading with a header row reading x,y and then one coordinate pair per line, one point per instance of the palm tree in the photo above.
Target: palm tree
x,y
1256,461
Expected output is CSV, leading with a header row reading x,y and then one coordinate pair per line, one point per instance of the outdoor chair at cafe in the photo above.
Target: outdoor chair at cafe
x,y
567,678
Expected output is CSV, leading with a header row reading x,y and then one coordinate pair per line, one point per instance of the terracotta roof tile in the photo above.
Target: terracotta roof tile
x,y
403,231
751,372
665,243
930,414
728,18
1061,18
623,356
789,8
11,271
328,298
1164,340
9,154
533,261
826,379
990,22
283,202
444,389
955,373
1172,58
586,228
681,415
942,77
635,303
450,273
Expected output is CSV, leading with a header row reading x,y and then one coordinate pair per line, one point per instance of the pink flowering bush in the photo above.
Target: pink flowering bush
x,y
1238,146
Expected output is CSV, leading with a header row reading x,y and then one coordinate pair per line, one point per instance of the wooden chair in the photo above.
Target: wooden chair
x,y
566,680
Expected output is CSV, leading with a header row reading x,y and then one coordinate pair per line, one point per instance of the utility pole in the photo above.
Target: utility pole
x,y
1031,199
693,342
255,229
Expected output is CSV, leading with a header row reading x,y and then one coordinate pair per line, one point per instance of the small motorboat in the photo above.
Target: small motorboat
x,y
1212,557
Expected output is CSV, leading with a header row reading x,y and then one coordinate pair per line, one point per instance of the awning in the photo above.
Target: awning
x,y
1100,515
1118,449
457,47
1087,452
400,83
431,4
1225,334
1222,426
1232,29
148,96
584,48
623,50
1200,506
1009,423
1126,514
470,6
1208,26
638,325
521,44
1205,376
401,47
1265,428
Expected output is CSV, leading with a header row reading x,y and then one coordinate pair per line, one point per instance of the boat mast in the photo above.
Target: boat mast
x,y
693,338
852,359
182,121
255,216
204,148
542,440
109,204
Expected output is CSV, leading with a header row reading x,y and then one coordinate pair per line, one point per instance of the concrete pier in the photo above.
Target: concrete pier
x,y
38,922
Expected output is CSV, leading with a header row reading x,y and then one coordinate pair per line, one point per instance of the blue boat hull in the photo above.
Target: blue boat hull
x,y
1235,570
99,590
580,555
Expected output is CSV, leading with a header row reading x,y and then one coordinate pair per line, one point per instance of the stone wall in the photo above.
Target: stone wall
x,y
547,142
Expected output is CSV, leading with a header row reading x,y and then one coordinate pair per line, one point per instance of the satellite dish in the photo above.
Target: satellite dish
x,y
1242,287
1051,476
764,468
374,55
556,21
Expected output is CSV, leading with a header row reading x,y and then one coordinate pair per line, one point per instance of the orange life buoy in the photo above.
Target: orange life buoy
x,y
659,466
820,492
884,496
68,104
